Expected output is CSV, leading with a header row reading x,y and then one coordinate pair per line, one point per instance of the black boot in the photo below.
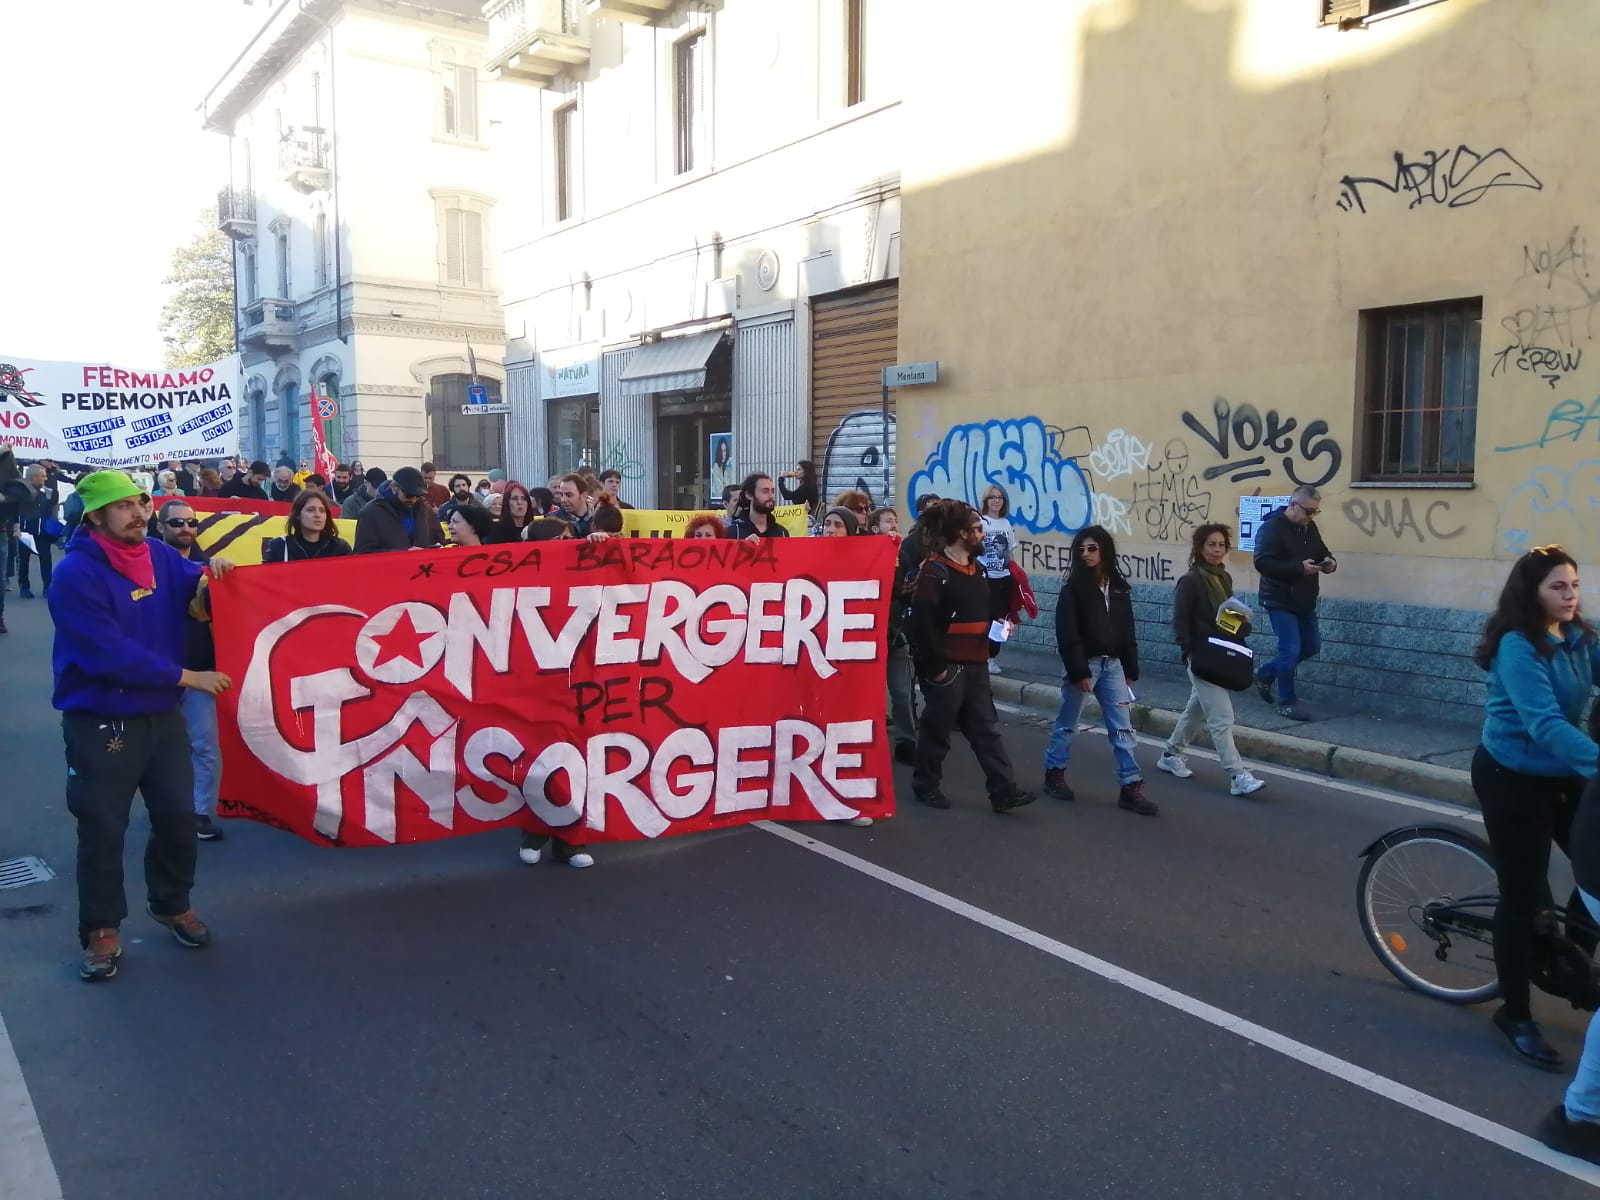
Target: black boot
x,y
1528,1041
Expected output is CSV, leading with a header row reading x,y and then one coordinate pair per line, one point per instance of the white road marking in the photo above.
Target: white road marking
x,y
1455,811
26,1170
1348,1072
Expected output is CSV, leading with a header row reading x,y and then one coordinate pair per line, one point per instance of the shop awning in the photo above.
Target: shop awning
x,y
671,365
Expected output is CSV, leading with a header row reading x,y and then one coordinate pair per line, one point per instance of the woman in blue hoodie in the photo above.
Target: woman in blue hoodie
x,y
1543,660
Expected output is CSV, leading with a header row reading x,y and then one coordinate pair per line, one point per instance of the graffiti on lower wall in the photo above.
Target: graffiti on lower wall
x,y
1049,493
860,456
1045,558
1449,178
1430,521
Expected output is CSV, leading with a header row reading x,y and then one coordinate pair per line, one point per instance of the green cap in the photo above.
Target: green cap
x,y
106,487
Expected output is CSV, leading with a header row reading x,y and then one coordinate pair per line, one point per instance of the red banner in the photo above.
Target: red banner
x,y
323,408
605,692
235,504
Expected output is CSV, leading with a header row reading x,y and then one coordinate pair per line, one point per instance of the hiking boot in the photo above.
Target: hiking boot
x,y
189,929
1173,764
1294,712
1016,798
206,829
1264,690
1132,798
931,799
100,955
1055,784
1245,784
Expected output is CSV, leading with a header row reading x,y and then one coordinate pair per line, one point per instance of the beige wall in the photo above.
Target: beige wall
x,y
1132,218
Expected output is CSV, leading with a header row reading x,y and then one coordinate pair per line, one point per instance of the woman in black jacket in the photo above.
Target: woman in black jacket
x,y
310,533
1100,651
1195,601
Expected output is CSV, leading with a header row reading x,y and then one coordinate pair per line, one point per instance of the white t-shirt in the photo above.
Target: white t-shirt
x,y
999,541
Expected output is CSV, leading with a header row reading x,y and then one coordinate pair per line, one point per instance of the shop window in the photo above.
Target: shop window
x,y
1420,397
574,432
463,441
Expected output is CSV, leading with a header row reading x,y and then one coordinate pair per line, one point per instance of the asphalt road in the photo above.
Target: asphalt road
x,y
736,1015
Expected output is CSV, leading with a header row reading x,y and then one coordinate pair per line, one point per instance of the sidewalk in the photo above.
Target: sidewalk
x,y
1422,758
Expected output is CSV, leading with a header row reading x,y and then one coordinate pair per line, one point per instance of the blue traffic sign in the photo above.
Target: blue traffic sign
x,y
477,395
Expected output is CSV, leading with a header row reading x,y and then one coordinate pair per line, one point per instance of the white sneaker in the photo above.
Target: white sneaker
x,y
529,855
1244,783
581,860
994,667
1173,764
861,822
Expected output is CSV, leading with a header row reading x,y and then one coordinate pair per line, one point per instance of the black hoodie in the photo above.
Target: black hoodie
x,y
1092,624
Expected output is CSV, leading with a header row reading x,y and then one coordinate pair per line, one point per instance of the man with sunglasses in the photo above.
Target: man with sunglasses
x,y
180,529
1291,558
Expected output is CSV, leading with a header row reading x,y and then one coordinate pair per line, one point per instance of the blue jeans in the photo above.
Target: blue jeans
x,y
1116,709
200,715
1583,1094
1298,639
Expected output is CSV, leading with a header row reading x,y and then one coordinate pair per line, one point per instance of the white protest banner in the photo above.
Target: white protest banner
x,y
106,415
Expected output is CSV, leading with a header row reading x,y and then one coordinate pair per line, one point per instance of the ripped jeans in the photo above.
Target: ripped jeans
x,y
1116,708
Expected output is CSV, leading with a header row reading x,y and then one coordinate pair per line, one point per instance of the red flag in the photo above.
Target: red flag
x,y
601,691
323,408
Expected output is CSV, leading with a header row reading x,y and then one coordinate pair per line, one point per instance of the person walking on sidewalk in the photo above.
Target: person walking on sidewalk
x,y
1100,653
999,544
1195,601
947,625
1291,558
1528,772
120,603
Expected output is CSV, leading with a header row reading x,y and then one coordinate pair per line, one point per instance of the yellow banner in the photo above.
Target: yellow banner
x,y
671,522
241,537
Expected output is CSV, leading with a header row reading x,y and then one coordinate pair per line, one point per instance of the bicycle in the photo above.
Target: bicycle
x,y
1426,897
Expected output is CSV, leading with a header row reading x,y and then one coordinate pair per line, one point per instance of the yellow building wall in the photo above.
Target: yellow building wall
x,y
1136,240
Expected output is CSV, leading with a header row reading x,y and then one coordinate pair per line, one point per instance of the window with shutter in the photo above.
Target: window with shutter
x,y
1335,11
565,129
452,246
689,85
472,249
466,89
319,248
449,111
283,265
855,76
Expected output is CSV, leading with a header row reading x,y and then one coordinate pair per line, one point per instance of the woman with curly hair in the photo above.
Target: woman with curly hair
x,y
706,525
1100,652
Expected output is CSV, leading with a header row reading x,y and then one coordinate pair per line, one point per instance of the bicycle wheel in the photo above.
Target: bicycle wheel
x,y
1426,898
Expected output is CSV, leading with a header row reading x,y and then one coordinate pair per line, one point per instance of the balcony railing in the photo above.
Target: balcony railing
x,y
303,160
236,213
534,41
269,323
641,12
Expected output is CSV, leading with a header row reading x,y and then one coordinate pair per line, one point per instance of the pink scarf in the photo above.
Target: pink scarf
x,y
132,562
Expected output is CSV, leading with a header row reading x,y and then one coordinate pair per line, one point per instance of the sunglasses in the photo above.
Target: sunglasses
x,y
1088,548
180,522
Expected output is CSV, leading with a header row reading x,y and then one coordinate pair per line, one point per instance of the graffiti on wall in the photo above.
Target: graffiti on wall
x,y
1568,421
1049,492
1245,440
1549,363
860,456
1448,178
1552,506
1400,518
617,458
1121,454
1169,500
1043,558
1548,331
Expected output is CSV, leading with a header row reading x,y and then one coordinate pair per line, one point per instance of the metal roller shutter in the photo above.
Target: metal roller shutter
x,y
854,335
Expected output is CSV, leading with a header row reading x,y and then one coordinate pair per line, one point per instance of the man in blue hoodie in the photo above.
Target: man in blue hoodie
x,y
119,602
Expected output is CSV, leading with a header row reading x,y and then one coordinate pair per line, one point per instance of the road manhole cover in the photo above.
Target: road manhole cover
x,y
19,872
